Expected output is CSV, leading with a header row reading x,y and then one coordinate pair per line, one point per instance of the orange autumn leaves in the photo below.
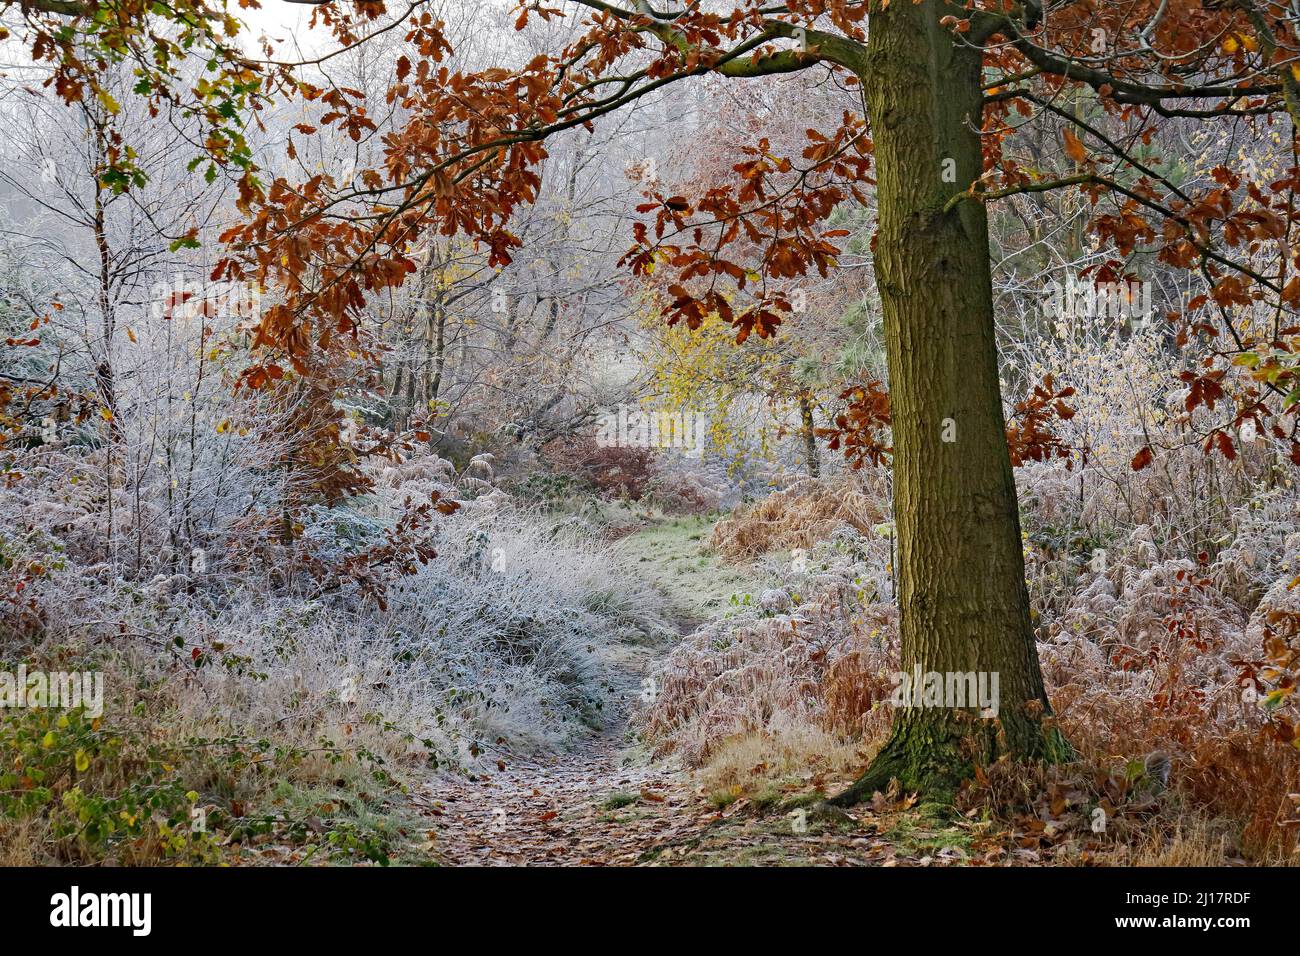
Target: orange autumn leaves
x,y
859,429
470,155
733,248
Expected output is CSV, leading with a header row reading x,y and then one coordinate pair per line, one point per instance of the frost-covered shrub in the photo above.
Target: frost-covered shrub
x,y
1133,608
1151,659
416,478
800,516
1262,545
1125,400
684,484
683,493
817,651
495,638
182,462
511,614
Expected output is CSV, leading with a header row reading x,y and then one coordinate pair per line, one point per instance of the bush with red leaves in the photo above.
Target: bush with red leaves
x,y
615,471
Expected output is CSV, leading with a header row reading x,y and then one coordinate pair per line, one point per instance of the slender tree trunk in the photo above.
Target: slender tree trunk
x,y
105,379
961,590
104,374
410,385
399,420
439,350
809,434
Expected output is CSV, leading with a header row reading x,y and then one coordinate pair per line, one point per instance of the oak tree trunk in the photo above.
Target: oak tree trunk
x,y
961,586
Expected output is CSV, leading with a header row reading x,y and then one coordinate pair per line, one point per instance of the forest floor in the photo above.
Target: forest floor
x,y
608,803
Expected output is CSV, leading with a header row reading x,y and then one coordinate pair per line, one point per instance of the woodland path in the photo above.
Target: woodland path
x,y
606,803
603,803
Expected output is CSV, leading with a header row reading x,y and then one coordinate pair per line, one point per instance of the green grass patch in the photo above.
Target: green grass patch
x,y
617,801
673,553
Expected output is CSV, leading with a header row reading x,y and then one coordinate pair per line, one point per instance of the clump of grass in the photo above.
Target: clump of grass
x,y
721,799
923,833
617,801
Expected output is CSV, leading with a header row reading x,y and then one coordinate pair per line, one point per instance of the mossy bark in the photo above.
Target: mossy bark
x,y
961,583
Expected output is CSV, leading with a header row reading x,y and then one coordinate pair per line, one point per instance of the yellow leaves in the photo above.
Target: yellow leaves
x,y
82,761
431,836
49,740
223,427
106,414
106,100
1239,41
